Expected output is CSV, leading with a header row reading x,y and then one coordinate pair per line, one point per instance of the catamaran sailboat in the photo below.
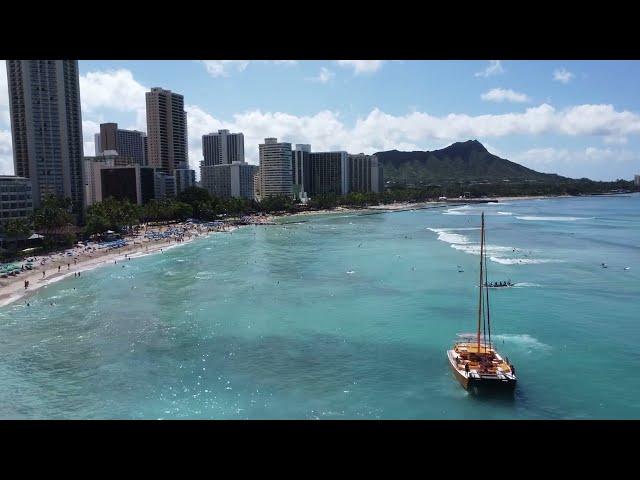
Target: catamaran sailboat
x,y
475,362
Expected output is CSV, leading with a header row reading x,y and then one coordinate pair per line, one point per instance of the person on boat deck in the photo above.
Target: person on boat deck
x,y
466,367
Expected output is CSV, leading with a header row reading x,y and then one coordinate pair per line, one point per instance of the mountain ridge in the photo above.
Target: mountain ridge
x,y
467,161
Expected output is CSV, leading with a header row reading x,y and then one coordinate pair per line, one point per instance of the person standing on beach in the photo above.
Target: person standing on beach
x,y
26,284
58,268
68,266
43,273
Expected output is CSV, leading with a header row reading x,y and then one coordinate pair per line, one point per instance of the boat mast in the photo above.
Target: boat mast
x,y
486,270
481,278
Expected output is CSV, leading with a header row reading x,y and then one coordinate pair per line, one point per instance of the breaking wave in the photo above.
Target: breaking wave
x,y
523,261
461,242
533,218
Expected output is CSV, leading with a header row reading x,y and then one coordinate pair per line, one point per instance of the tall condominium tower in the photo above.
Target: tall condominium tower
x,y
222,148
46,127
365,173
166,130
301,170
275,168
328,173
128,143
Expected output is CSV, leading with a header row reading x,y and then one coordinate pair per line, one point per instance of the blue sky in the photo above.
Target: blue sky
x,y
575,118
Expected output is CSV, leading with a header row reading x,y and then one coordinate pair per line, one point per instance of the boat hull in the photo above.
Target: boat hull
x,y
479,384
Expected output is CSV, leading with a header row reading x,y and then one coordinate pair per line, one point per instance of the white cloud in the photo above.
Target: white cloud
x,y
415,130
286,63
223,68
4,95
504,95
6,153
591,162
361,66
102,91
324,76
615,140
112,89
494,68
562,75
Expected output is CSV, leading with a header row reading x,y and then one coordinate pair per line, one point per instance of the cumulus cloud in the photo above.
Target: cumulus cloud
x,y
504,95
223,68
494,68
112,89
562,75
4,95
600,163
324,76
416,130
6,153
361,66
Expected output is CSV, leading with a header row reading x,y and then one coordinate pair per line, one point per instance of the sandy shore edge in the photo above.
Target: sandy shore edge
x,y
13,288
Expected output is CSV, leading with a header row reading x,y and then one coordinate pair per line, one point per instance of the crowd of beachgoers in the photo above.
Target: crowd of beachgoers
x,y
19,278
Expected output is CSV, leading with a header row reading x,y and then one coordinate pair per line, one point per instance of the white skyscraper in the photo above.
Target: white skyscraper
x,y
275,168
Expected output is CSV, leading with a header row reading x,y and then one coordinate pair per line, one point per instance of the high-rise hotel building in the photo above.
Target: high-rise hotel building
x,y
166,130
328,173
333,173
222,148
301,170
46,127
128,143
365,173
275,168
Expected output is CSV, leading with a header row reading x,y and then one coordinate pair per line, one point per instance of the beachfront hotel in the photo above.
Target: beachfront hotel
x,y
15,198
222,148
227,181
301,170
365,173
275,168
46,127
338,173
328,173
92,170
166,130
129,143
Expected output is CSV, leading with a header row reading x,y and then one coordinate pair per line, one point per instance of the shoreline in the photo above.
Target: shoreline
x,y
83,260
13,288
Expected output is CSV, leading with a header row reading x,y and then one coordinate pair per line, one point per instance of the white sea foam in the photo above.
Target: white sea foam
x,y
453,238
438,230
523,340
457,210
505,213
475,249
523,261
533,218
462,243
526,284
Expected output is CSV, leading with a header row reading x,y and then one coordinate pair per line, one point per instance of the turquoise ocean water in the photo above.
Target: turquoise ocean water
x,y
342,316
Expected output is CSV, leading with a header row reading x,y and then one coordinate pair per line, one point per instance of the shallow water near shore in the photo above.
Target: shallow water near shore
x,y
342,316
